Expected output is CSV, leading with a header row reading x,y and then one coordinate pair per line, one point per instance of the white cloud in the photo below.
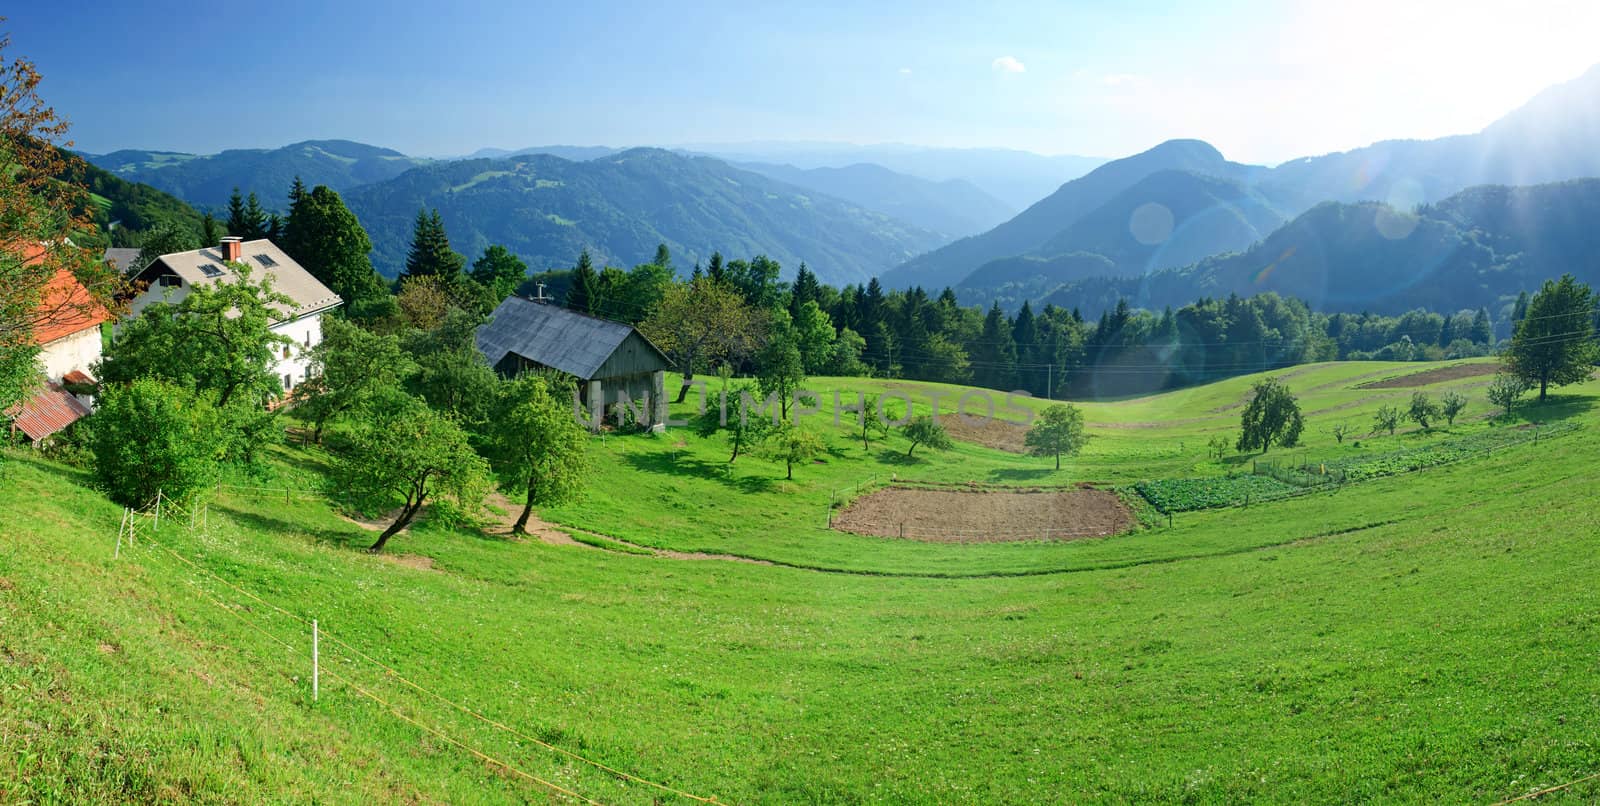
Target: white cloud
x,y
1008,64
905,71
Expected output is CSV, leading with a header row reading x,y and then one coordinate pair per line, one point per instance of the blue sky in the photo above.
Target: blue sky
x,y
1263,81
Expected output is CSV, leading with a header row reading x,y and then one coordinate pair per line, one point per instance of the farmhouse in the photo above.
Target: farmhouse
x,y
615,365
170,277
67,328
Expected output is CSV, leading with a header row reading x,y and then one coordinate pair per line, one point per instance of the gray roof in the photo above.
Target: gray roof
x,y
265,259
553,336
123,259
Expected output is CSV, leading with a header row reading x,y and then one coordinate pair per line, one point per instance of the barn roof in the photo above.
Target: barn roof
x,y
558,338
49,410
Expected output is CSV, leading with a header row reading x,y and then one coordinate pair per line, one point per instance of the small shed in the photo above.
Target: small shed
x,y
616,366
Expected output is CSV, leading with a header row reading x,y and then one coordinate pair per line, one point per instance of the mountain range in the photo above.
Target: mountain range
x,y
547,209
1177,216
1480,247
207,181
1217,207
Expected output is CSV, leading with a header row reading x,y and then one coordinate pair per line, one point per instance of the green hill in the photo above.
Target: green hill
x,y
548,209
129,205
207,181
1422,636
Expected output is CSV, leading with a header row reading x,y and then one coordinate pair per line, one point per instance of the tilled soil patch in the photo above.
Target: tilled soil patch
x,y
1432,376
986,516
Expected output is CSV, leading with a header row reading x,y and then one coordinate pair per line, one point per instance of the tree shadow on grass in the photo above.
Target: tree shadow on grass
x,y
684,465
1557,408
892,456
1021,473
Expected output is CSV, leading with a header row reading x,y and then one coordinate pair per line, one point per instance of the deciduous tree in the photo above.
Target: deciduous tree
x,y
791,444
40,216
349,367
324,236
1387,418
1271,418
1554,343
700,322
1422,411
1506,390
401,452
534,445
1451,406
1059,430
153,436
925,430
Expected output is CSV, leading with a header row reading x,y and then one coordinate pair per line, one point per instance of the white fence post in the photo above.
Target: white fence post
x,y
316,671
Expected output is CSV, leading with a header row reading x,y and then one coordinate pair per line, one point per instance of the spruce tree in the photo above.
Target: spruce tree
x,y
1482,330
430,253
584,294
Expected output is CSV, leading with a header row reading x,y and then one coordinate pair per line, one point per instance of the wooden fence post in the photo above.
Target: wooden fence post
x,y
316,671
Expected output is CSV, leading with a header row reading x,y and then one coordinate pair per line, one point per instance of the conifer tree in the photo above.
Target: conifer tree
x,y
584,294
430,253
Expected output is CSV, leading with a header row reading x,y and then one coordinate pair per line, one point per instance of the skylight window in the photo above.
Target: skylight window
x,y
265,260
211,270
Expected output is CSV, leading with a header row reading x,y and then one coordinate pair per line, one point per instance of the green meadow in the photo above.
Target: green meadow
x,y
1424,636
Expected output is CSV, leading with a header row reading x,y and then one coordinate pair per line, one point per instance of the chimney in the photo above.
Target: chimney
x,y
232,248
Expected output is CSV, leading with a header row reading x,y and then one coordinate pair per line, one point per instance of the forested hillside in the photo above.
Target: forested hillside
x,y
620,207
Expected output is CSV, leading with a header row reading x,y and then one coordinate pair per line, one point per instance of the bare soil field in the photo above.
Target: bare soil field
x,y
986,516
1432,376
990,432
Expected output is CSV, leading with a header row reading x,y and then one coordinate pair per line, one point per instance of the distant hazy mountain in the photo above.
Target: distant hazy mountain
x,y
1551,138
1469,250
576,153
547,209
953,208
207,181
1165,220
1018,178
1034,227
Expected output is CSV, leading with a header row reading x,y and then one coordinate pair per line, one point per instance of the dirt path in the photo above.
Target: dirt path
x,y
505,516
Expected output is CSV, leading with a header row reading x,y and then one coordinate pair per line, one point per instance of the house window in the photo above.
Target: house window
x,y
288,382
286,352
308,338
171,281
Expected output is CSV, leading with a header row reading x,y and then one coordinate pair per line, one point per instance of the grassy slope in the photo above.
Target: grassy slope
x,y
1446,653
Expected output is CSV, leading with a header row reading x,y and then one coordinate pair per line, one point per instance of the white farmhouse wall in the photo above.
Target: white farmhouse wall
x,y
306,332
77,351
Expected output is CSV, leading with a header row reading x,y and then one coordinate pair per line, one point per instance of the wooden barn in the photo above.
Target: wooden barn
x,y
615,365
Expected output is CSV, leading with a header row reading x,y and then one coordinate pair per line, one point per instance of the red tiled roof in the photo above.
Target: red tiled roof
x,y
67,308
77,376
48,411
